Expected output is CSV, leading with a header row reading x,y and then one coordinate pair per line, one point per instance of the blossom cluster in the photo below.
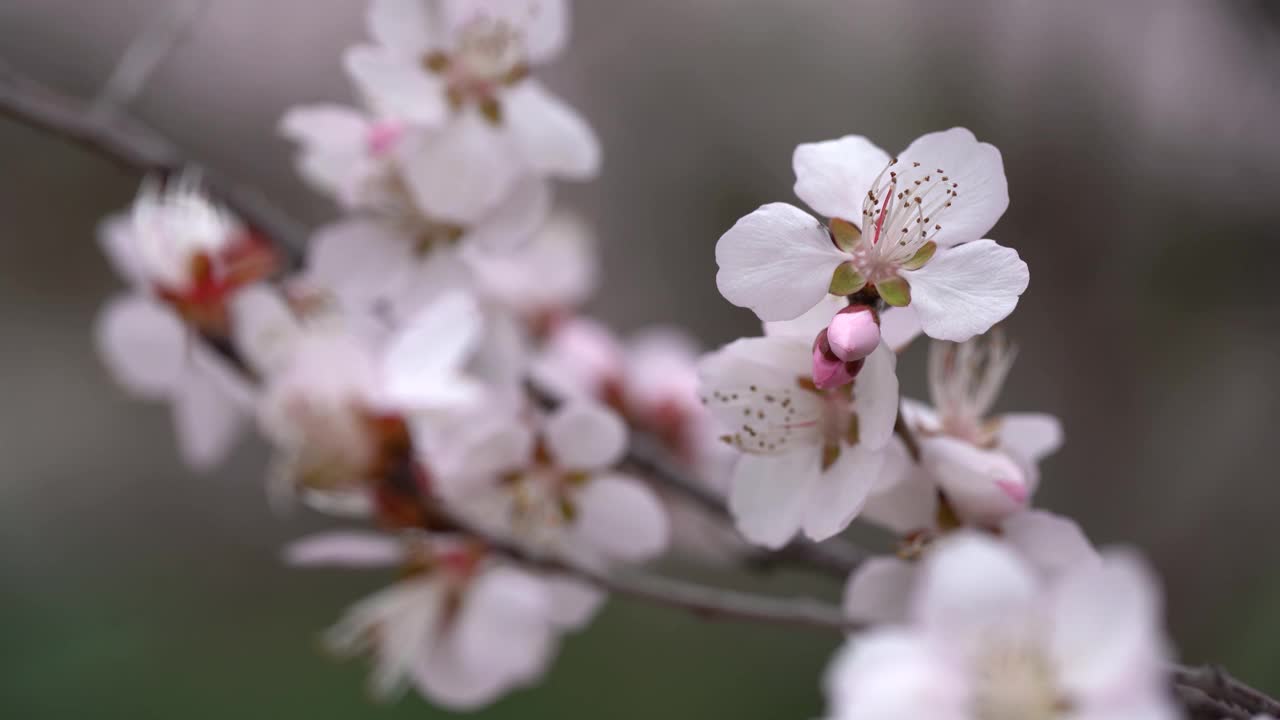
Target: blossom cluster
x,y
401,373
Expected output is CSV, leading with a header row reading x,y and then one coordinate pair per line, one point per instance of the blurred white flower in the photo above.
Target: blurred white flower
x,y
460,69
907,227
553,490
461,628
186,260
988,640
810,457
352,156
341,409
544,280
880,589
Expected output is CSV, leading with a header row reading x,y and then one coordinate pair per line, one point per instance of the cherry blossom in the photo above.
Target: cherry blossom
x,y
985,466
810,457
907,230
880,590
185,259
462,68
461,628
552,486
987,639
342,414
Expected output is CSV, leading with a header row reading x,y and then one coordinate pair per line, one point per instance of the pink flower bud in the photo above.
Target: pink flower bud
x,y
853,333
830,371
383,136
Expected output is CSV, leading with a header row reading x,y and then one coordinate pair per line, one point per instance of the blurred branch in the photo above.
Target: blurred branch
x,y
1205,693
153,44
137,148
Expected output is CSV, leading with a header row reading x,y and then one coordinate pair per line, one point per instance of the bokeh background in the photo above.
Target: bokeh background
x,y
1140,140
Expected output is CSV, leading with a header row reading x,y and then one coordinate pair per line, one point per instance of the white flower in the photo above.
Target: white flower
x,y
879,590
144,336
461,68
987,467
354,157
340,409
543,280
988,640
179,246
462,629
554,491
810,457
908,227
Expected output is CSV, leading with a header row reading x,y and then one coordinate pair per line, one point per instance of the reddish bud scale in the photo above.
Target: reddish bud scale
x,y
214,279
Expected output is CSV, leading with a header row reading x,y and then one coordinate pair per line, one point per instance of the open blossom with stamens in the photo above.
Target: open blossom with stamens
x,y
342,411
461,68
461,628
907,229
985,466
989,640
186,259
810,457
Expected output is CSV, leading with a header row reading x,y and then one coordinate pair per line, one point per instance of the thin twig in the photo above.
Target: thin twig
x,y
143,55
903,431
1203,692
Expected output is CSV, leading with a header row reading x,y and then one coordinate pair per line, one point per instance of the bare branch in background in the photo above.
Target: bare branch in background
x,y
144,54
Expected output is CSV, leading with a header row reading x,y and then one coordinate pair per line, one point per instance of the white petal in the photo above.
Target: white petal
x,y
965,290
360,260
813,321
908,505
621,518
334,144
891,675
580,359
516,218
460,172
585,436
833,176
501,638
899,326
750,388
1030,436
143,344
770,494
396,86
841,491
1105,626
551,136
875,398
487,447
777,261
573,602
970,580
344,549
1051,543
879,591
983,486
983,192
408,27
542,24
556,270
265,330
421,362
115,236
207,420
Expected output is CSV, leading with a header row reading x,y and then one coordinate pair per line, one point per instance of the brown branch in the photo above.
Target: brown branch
x,y
1204,693
903,431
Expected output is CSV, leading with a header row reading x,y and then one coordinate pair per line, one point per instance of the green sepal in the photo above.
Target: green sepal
x,y
922,256
846,280
895,291
845,234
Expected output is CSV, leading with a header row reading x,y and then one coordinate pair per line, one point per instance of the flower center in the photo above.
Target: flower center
x,y
489,55
1014,681
901,213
